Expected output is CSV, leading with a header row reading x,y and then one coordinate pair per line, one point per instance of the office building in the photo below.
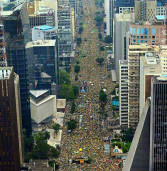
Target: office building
x,y
123,3
123,93
17,33
10,121
134,55
151,34
149,67
121,27
138,155
148,148
2,44
43,32
65,34
43,105
158,136
109,17
145,10
43,63
44,17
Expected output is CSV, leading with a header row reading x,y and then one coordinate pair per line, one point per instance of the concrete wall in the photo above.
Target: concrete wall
x,y
44,109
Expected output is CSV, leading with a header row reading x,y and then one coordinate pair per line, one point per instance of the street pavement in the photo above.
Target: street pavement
x,y
87,139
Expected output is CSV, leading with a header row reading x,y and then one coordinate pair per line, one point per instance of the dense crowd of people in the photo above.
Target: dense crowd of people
x,y
87,140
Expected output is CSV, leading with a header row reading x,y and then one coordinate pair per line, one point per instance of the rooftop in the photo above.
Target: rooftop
x,y
41,43
5,72
38,93
43,27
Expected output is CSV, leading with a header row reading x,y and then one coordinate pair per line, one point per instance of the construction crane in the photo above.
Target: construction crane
x,y
2,42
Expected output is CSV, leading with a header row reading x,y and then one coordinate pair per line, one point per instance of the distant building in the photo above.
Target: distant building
x,y
65,34
123,93
158,120
145,10
11,152
149,67
121,27
17,34
151,34
43,32
148,149
43,105
123,3
43,63
109,17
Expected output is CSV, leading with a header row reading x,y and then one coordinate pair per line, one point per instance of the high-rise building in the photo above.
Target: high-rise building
x,y
123,3
123,93
43,32
145,10
158,120
109,17
65,34
121,27
136,52
2,43
134,55
148,150
17,34
149,67
10,121
43,63
149,33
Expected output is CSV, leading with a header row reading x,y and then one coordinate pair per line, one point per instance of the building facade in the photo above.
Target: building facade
x,y
43,63
145,10
10,121
17,34
151,34
121,27
158,136
123,93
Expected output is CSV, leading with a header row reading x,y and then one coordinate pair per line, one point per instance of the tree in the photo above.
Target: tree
x,y
77,62
100,60
100,36
72,124
56,128
73,107
76,91
103,96
108,39
79,40
77,69
102,48
64,77
80,30
127,135
41,149
66,91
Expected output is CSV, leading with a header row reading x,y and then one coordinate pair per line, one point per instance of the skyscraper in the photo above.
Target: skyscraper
x,y
10,121
123,3
17,33
158,134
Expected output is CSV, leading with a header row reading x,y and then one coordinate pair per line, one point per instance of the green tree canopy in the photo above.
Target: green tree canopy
x,y
64,77
41,149
76,91
77,69
72,124
108,39
79,40
127,134
66,91
102,48
73,107
100,60
103,96
56,128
